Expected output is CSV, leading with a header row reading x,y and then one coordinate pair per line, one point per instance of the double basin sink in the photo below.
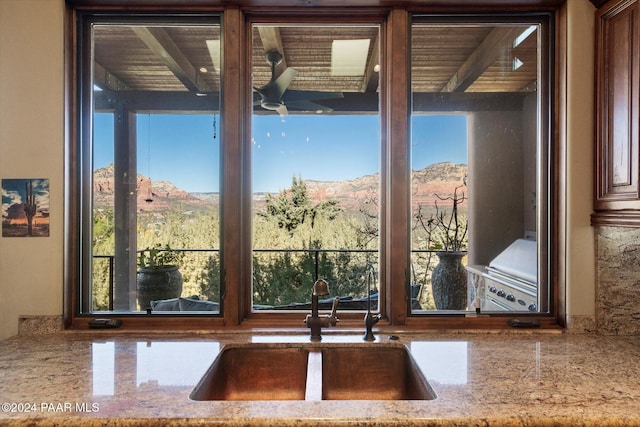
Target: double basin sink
x,y
313,372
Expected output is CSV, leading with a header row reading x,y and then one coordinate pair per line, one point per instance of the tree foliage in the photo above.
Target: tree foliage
x,y
292,237
194,234
292,207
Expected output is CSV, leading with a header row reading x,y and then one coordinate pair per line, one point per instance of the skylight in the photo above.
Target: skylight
x,y
349,57
523,36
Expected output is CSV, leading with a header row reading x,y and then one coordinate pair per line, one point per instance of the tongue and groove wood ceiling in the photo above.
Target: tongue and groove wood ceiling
x,y
186,59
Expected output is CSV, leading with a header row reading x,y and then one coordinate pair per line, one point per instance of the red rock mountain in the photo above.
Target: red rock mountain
x,y
439,178
151,195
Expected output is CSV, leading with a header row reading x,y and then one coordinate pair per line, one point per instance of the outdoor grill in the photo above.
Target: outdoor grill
x,y
511,279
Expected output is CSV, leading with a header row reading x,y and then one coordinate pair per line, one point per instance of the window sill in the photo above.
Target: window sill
x,y
292,323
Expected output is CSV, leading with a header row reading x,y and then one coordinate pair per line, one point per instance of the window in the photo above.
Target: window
x,y
151,155
479,162
346,149
315,148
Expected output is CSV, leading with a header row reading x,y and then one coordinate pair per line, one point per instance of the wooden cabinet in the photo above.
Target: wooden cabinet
x,y
617,190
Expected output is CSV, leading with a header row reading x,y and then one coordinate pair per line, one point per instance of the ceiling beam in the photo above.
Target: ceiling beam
x,y
271,40
486,53
467,102
372,71
351,103
104,79
163,46
158,102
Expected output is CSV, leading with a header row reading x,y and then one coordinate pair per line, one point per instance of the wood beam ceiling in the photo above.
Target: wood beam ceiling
x,y
163,46
499,39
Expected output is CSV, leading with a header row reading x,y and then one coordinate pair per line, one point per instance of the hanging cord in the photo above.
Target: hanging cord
x,y
149,198
149,144
214,127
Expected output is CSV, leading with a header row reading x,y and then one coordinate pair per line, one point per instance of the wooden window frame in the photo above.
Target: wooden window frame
x,y
235,150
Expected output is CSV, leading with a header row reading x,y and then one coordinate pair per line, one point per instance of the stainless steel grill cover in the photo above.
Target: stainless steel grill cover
x,y
518,261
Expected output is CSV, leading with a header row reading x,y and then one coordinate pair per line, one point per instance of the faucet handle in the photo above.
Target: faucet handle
x,y
333,319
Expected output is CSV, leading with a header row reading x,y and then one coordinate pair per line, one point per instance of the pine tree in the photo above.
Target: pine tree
x,y
291,207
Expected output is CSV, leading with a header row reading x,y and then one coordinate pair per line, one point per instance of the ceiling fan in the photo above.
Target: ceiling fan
x,y
276,95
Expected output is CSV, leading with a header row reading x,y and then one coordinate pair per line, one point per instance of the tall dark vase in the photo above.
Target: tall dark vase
x,y
157,283
449,282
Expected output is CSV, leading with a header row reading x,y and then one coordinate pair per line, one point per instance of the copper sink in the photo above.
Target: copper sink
x,y
255,373
372,373
313,372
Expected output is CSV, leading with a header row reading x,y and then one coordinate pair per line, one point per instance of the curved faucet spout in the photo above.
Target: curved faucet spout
x,y
370,319
314,321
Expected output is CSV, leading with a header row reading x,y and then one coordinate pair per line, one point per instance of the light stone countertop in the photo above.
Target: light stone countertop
x,y
486,379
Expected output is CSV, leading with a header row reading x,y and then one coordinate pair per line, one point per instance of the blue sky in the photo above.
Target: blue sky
x,y
176,148
316,147
182,149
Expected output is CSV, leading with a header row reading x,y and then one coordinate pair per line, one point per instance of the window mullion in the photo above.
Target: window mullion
x,y
396,183
235,205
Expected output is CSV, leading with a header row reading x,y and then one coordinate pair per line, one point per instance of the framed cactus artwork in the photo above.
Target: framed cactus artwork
x,y
25,207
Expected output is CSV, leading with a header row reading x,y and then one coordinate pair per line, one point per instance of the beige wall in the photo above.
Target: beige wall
x,y
31,145
580,251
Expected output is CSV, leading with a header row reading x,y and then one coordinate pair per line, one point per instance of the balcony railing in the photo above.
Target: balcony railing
x,y
282,278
